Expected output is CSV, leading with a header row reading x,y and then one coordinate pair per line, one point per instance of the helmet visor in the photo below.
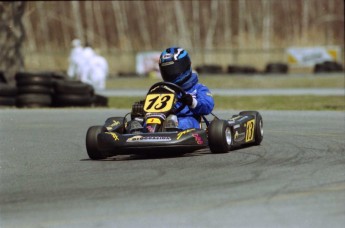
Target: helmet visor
x,y
171,70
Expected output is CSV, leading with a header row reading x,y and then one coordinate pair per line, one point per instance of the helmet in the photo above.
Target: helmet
x,y
175,65
76,43
88,52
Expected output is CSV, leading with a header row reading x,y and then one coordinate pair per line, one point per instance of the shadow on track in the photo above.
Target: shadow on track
x,y
152,156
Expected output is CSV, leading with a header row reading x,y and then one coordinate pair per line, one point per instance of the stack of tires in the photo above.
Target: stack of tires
x,y
328,67
234,69
100,101
277,68
34,89
69,93
209,69
8,93
48,89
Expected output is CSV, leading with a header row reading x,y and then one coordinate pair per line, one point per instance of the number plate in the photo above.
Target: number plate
x,y
159,102
250,130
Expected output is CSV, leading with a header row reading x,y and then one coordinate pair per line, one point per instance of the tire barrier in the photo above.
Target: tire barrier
x,y
48,89
32,100
100,101
277,68
8,95
70,93
209,69
233,69
328,67
34,89
2,77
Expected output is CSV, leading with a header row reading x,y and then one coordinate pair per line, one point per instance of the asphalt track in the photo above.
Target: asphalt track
x,y
295,178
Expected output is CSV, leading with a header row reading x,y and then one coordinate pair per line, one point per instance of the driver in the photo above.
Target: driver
x,y
175,67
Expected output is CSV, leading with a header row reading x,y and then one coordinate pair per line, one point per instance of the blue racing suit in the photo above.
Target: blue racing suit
x,y
190,117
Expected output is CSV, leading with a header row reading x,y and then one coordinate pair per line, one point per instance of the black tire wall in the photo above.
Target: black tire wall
x,y
72,94
34,89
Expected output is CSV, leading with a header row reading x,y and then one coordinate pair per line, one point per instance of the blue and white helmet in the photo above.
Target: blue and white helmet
x,y
175,65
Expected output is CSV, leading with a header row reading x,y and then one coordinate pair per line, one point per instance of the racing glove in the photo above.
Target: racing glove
x,y
187,99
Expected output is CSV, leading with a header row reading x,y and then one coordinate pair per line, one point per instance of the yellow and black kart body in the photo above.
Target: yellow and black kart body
x,y
220,136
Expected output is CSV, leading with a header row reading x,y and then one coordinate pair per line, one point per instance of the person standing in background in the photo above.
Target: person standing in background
x,y
99,71
75,60
94,69
87,66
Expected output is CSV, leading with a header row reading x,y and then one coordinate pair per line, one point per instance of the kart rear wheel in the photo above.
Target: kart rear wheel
x,y
92,147
219,136
259,130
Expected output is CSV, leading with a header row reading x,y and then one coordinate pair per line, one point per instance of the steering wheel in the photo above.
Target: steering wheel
x,y
178,90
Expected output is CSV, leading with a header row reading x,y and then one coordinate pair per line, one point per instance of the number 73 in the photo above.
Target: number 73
x,y
158,102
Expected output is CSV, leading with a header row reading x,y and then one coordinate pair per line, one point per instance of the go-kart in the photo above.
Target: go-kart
x,y
219,135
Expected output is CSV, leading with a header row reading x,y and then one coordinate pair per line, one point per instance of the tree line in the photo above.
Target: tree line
x,y
206,24
134,26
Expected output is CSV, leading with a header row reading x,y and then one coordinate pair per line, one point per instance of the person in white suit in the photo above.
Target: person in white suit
x,y
99,72
75,60
94,69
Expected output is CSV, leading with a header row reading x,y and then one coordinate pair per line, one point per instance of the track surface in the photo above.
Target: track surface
x,y
296,178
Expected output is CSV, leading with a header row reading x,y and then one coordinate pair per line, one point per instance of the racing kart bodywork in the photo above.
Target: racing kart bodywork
x,y
219,135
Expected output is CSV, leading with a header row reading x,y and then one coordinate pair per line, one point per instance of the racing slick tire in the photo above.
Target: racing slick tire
x,y
277,68
73,87
7,90
259,130
31,100
34,89
7,101
72,100
33,78
92,147
219,136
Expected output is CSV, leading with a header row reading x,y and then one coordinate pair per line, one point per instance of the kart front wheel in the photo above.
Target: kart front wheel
x,y
92,147
219,136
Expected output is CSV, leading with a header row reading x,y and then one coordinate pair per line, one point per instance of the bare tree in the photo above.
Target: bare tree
x,y
267,23
143,28
12,36
90,29
78,27
183,31
227,23
305,20
29,29
329,29
241,19
121,25
100,24
196,27
251,23
169,27
195,24
44,30
212,25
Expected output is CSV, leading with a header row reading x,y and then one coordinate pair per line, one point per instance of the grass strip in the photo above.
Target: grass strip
x,y
307,102
229,82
